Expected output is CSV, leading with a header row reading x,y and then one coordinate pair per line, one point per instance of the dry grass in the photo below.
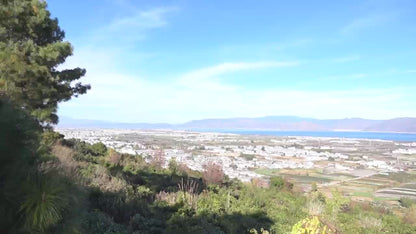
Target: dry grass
x,y
102,179
316,207
170,198
114,157
99,175
67,165
410,215
260,183
188,194
158,159
370,222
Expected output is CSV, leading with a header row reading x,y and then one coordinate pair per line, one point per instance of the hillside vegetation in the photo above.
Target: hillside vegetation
x,y
56,185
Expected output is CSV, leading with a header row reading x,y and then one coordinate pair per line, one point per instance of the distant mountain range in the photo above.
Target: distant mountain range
x,y
279,123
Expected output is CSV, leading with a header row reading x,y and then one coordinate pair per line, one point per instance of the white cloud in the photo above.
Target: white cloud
x,y
220,69
129,29
141,20
366,22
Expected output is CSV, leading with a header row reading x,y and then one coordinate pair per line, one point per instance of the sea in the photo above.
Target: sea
x,y
391,136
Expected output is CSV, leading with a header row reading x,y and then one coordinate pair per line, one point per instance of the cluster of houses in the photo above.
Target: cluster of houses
x,y
240,155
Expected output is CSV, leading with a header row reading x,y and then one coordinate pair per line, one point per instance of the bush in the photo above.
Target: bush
x,y
173,166
406,202
213,173
45,199
141,224
314,187
277,182
310,226
410,215
114,157
99,222
98,149
247,157
158,159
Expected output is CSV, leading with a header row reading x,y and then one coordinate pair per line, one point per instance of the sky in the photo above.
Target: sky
x,y
175,61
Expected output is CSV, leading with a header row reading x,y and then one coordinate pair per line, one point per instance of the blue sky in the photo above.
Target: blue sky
x,y
174,61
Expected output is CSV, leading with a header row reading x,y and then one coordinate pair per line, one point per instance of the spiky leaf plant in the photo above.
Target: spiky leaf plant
x,y
45,200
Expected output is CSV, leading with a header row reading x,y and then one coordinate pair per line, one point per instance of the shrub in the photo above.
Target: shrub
x,y
183,169
141,224
213,173
410,215
49,138
406,202
314,187
114,157
46,198
277,182
336,204
260,183
99,222
369,222
310,226
98,149
316,207
173,166
158,159
247,157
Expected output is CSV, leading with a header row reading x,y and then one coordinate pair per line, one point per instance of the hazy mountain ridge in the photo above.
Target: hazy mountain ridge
x,y
282,123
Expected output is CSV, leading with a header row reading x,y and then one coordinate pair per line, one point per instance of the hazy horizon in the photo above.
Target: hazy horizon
x,y
238,117
175,61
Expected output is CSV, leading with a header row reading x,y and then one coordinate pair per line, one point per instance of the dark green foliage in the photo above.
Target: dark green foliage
x,y
407,202
202,147
99,222
173,166
277,182
98,149
19,140
247,157
85,151
46,197
31,200
212,223
49,138
141,224
31,48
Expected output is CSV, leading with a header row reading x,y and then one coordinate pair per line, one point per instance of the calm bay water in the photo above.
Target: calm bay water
x,y
359,135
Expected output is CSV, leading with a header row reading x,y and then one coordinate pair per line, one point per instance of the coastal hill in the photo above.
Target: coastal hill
x,y
279,123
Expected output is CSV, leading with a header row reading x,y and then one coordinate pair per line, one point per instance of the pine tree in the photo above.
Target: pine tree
x,y
32,47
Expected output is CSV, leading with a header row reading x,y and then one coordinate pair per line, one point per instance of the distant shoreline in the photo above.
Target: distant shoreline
x,y
238,129
363,135
360,135
279,130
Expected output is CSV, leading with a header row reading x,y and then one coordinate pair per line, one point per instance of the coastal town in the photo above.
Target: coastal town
x,y
327,161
